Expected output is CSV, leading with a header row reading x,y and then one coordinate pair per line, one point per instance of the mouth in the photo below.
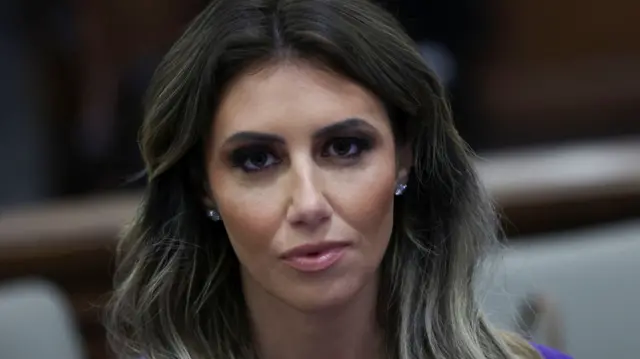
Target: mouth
x,y
315,257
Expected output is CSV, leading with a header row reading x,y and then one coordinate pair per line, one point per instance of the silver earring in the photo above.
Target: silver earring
x,y
213,215
400,187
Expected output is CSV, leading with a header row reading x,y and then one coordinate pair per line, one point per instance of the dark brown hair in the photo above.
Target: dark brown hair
x,y
176,290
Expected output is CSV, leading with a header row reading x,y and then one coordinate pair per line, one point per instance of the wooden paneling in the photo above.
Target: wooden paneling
x,y
71,244
555,188
535,32
559,70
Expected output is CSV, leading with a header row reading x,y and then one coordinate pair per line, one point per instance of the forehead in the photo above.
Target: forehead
x,y
294,96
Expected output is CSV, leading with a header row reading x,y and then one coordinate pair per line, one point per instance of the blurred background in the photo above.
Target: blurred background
x,y
546,92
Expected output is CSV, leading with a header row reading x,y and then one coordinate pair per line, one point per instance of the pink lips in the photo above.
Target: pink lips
x,y
315,257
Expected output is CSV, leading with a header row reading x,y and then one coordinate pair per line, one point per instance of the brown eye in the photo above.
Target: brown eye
x,y
345,147
258,160
254,159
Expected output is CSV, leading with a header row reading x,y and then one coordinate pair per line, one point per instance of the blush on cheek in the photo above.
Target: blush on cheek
x,y
378,213
250,230
367,204
252,217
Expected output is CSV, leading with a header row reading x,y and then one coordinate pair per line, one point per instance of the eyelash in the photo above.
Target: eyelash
x,y
361,145
242,157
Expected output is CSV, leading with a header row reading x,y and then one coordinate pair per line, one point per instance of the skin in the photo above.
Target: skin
x,y
284,171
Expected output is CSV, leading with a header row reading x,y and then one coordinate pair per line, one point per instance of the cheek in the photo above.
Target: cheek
x,y
365,202
371,210
251,218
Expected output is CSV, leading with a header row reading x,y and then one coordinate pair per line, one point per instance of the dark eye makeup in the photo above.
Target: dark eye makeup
x,y
254,157
260,157
346,147
342,143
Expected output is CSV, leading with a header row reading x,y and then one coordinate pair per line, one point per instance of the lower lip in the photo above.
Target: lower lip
x,y
317,262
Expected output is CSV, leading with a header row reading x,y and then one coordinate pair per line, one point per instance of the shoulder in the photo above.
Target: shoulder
x,y
548,353
522,348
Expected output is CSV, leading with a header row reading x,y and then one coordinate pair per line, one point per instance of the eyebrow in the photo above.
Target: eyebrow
x,y
345,125
251,136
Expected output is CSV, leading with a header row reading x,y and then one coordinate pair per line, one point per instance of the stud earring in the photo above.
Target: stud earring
x,y
213,215
400,187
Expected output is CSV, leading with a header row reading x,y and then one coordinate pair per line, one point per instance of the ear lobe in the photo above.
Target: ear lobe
x,y
405,162
207,197
403,176
208,202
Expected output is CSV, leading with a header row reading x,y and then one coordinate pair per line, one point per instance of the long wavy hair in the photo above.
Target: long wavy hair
x,y
177,292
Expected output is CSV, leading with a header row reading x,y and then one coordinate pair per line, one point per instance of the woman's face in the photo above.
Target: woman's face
x,y
302,168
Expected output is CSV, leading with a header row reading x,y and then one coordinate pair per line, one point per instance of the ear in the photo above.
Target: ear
x,y
207,198
404,163
200,181
208,202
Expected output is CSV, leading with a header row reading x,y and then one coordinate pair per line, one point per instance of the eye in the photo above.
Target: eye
x,y
259,161
345,147
254,159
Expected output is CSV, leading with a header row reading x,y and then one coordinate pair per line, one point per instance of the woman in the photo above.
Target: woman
x,y
308,197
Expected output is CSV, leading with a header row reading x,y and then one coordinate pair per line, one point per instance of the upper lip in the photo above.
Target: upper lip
x,y
310,248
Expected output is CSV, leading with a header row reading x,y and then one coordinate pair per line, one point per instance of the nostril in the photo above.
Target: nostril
x,y
309,217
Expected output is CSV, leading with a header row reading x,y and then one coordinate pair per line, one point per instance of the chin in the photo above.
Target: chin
x,y
325,294
310,293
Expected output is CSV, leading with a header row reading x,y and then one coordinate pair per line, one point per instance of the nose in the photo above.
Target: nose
x,y
308,207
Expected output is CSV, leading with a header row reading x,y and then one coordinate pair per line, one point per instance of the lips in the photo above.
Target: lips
x,y
315,257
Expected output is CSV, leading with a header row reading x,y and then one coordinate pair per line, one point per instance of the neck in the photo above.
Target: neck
x,y
348,331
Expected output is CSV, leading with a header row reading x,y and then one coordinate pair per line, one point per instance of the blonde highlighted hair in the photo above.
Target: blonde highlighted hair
x,y
177,286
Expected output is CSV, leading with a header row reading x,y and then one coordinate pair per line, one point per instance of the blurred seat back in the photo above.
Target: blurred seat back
x,y
36,322
591,278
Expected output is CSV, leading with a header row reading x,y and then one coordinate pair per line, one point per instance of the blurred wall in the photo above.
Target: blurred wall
x,y
557,71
